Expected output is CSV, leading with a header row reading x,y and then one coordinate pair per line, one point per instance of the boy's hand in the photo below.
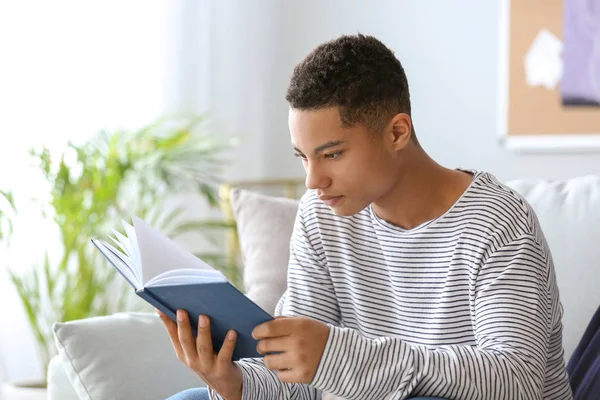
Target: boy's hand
x,y
217,370
300,342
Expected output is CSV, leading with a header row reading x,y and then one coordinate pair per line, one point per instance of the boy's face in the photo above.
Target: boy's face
x,y
349,168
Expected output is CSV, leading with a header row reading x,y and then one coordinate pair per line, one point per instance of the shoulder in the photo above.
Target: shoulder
x,y
507,214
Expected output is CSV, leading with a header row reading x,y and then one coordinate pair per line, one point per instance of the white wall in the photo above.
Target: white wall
x,y
245,85
450,53
67,70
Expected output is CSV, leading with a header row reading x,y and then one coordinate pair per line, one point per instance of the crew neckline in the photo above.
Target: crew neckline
x,y
396,229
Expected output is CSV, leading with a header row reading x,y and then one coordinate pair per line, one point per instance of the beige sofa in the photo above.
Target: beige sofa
x,y
129,356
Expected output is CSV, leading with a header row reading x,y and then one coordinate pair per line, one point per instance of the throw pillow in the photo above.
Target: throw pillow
x,y
265,225
569,214
123,356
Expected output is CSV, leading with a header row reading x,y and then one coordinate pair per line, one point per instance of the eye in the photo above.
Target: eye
x,y
300,155
333,156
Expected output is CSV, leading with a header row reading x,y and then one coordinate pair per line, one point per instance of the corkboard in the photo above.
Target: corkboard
x,y
535,111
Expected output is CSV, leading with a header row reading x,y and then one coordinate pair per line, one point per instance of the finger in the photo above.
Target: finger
x,y
271,345
274,328
172,331
226,352
291,376
204,345
184,333
276,362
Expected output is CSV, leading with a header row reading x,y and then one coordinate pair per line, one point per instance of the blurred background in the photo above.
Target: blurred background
x,y
69,69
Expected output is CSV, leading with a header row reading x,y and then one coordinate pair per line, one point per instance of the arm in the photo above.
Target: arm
x,y
512,313
306,271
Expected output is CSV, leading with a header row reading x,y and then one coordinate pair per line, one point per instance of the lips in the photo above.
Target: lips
x,y
330,200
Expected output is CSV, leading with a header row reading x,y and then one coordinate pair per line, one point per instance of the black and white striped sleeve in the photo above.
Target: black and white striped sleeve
x,y
512,312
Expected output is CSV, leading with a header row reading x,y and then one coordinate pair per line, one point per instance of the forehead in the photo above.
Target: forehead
x,y
308,121
311,128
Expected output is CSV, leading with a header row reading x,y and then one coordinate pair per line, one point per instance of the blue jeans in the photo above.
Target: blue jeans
x,y
191,394
202,394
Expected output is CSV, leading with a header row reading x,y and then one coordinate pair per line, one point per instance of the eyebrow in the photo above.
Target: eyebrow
x,y
324,147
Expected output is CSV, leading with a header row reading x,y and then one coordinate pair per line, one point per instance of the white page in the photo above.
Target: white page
x,y
121,241
160,254
127,246
122,256
137,259
192,272
116,242
185,280
120,262
187,276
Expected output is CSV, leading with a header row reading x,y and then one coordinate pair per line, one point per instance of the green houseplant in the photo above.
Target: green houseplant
x,y
7,210
91,188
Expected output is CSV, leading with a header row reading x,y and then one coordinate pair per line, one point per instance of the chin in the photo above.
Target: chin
x,y
346,210
341,212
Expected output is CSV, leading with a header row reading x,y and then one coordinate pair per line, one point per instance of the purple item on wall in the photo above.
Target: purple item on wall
x,y
580,83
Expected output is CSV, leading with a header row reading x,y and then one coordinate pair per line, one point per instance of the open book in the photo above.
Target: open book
x,y
171,278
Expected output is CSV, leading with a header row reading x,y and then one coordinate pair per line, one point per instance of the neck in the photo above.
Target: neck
x,y
423,191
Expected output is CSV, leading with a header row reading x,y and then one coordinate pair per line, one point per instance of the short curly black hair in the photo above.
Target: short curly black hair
x,y
356,73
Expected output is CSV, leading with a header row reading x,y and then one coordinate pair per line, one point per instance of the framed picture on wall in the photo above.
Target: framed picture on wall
x,y
550,74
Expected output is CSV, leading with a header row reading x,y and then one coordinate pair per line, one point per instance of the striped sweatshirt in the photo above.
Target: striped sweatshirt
x,y
463,307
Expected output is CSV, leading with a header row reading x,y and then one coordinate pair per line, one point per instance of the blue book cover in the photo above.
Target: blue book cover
x,y
170,278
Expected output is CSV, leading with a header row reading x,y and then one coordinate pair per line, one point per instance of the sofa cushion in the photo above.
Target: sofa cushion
x,y
123,356
265,225
569,214
59,386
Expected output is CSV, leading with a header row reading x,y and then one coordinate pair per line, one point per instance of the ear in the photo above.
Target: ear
x,y
400,129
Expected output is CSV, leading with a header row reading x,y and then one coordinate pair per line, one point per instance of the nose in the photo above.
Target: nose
x,y
315,179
